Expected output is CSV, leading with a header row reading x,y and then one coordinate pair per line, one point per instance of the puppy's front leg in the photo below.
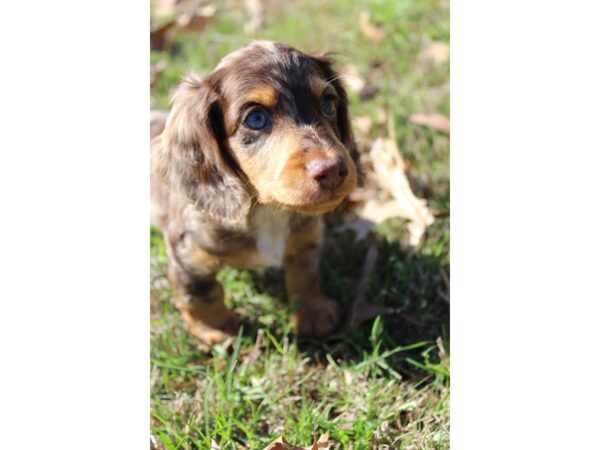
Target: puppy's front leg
x,y
315,314
200,298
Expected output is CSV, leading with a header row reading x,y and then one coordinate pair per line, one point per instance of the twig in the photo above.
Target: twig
x,y
365,274
361,309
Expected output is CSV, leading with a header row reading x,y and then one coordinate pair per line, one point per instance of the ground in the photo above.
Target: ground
x,y
385,383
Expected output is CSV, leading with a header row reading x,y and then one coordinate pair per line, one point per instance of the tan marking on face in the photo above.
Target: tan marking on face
x,y
278,171
263,166
263,95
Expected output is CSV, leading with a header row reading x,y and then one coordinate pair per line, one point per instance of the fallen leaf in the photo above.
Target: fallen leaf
x,y
282,444
436,53
214,445
256,11
394,195
363,124
155,71
435,121
158,37
190,16
389,172
158,120
346,419
153,443
371,32
352,79
163,8
368,92
360,226
196,19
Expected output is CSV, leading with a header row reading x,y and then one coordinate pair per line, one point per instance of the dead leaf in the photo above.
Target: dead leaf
x,y
155,71
368,92
196,19
158,120
389,171
163,8
158,37
360,226
282,444
395,197
371,32
256,11
352,79
435,121
153,443
363,124
192,17
436,53
214,445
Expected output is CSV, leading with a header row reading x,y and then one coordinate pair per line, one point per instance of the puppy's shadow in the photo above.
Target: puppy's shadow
x,y
410,285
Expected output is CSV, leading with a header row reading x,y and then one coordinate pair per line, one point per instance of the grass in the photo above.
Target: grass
x,y
385,384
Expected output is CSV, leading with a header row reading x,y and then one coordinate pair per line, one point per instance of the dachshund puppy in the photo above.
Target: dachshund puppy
x,y
249,158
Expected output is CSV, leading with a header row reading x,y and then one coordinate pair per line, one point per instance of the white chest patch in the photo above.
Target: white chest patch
x,y
272,229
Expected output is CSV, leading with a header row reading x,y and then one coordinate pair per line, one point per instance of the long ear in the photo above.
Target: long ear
x,y
325,63
192,156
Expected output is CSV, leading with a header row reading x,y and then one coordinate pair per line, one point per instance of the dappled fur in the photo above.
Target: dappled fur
x,y
223,193
191,155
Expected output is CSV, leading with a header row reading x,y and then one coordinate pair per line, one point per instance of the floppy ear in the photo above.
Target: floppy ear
x,y
192,155
325,63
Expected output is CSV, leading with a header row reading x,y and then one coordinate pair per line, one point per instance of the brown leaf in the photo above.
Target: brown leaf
x,y
256,11
196,19
323,442
371,32
395,199
158,119
155,71
363,124
163,8
282,444
389,171
360,226
158,37
436,53
368,92
435,121
352,79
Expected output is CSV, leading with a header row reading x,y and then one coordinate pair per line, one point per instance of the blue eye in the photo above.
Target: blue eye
x,y
257,120
328,105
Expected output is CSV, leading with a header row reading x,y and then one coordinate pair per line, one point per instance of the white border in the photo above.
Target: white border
x,y
75,258
524,163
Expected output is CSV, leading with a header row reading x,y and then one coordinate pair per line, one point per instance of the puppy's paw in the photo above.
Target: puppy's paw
x,y
318,319
212,328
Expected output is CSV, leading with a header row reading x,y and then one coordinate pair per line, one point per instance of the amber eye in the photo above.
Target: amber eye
x,y
328,105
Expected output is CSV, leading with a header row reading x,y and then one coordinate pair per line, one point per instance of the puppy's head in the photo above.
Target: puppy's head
x,y
269,123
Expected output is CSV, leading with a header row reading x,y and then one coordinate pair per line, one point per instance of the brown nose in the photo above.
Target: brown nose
x,y
330,173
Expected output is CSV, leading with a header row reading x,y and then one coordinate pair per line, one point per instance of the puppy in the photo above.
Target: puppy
x,y
249,158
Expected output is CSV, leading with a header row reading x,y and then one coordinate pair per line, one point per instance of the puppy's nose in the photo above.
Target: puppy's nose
x,y
330,173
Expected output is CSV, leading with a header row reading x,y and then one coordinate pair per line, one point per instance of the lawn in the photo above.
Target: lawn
x,y
385,383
